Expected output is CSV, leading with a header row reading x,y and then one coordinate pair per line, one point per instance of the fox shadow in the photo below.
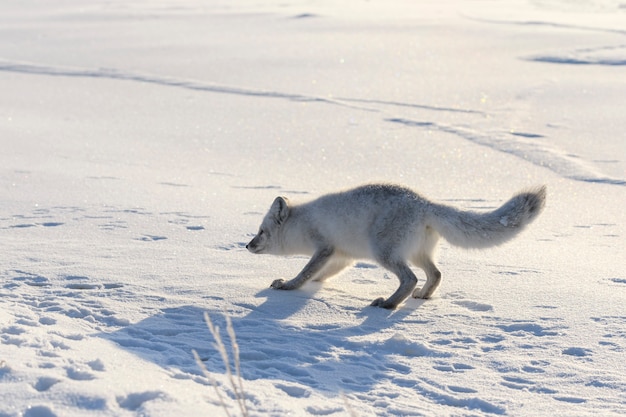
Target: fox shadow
x,y
317,355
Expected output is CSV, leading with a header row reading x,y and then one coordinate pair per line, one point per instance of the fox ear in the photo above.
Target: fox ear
x,y
280,209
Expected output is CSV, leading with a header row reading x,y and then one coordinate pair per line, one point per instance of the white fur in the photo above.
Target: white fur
x,y
389,224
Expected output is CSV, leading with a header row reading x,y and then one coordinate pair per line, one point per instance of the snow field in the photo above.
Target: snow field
x,y
142,142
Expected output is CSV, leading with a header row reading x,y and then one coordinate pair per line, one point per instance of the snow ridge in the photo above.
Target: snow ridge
x,y
524,146
521,145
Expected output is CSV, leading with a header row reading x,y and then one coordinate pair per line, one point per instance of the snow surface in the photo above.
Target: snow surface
x,y
142,141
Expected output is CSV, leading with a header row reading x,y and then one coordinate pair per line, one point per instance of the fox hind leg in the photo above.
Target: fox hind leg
x,y
433,279
407,284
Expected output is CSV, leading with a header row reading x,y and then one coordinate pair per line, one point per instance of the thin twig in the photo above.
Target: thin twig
x,y
221,348
235,346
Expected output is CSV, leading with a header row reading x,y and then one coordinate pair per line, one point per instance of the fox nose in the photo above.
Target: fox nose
x,y
247,246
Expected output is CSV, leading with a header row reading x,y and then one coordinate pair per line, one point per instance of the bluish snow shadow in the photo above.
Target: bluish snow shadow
x,y
299,357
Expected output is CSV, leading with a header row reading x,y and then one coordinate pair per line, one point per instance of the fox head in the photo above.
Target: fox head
x,y
267,240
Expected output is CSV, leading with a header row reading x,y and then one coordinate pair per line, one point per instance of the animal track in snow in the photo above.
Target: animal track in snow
x,y
462,390
51,224
151,238
44,383
614,55
572,400
83,286
107,220
474,306
460,299
513,270
135,401
173,184
294,391
519,383
577,351
452,367
316,351
194,228
232,246
39,411
614,329
78,374
521,329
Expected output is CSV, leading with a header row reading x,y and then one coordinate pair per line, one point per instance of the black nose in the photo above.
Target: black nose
x,y
246,246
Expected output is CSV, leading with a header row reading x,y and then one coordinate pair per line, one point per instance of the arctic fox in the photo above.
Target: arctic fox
x,y
389,224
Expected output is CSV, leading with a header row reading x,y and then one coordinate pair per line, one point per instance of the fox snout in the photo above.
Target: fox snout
x,y
253,246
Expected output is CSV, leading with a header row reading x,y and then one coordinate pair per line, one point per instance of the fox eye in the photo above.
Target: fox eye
x,y
261,232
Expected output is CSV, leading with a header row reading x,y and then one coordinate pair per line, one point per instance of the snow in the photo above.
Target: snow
x,y
142,142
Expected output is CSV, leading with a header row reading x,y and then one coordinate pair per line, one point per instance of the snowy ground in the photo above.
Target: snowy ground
x,y
142,141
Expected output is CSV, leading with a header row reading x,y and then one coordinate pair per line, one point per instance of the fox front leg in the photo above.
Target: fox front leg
x,y
311,269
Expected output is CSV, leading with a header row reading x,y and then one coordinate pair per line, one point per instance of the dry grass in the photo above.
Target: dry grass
x,y
235,380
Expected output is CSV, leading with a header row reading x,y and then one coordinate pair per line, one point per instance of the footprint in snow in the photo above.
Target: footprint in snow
x,y
294,391
44,383
317,410
231,246
577,351
535,367
452,367
39,411
32,280
22,226
83,286
173,184
525,328
473,305
460,299
461,390
572,400
134,401
195,228
51,224
150,238
78,374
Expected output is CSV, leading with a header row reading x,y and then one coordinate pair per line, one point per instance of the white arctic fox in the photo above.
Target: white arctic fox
x,y
389,224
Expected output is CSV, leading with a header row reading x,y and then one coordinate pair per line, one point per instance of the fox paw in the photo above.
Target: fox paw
x,y
420,293
278,284
380,302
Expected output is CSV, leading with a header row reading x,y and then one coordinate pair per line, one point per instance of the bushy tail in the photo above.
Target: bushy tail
x,y
470,229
